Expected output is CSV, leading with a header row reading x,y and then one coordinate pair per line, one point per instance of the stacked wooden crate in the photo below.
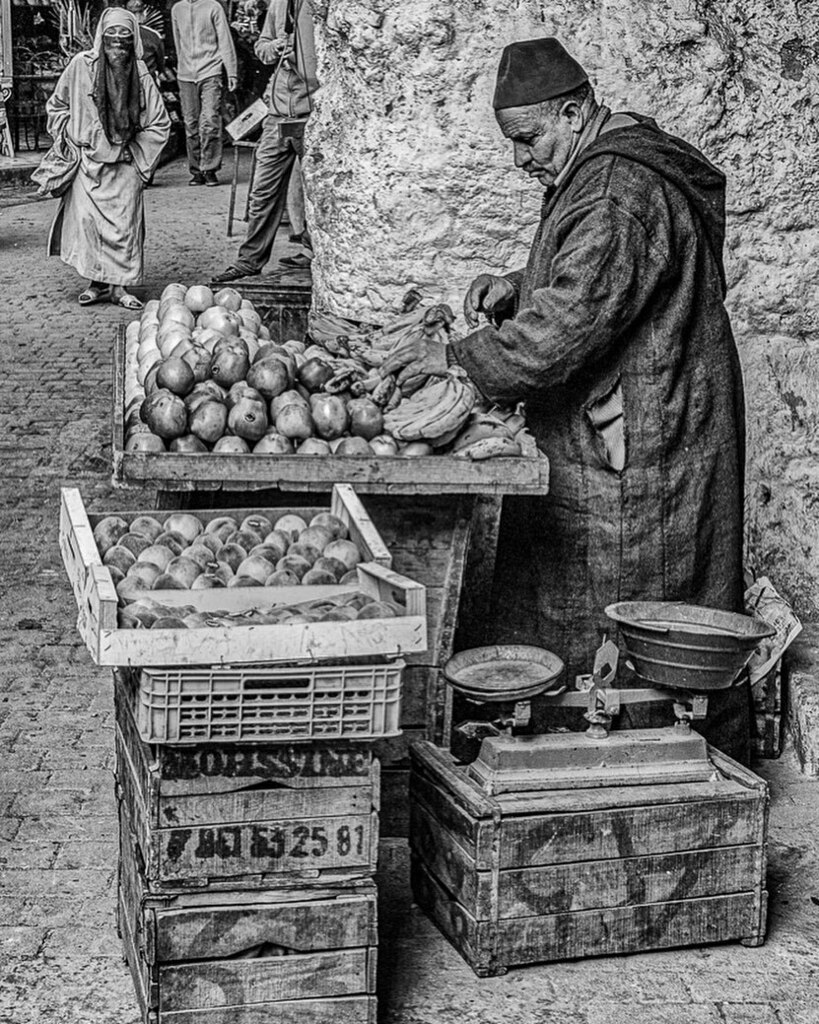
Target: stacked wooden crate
x,y
249,796
246,878
529,876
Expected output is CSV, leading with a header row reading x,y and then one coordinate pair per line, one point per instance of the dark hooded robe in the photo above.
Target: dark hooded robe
x,y
621,304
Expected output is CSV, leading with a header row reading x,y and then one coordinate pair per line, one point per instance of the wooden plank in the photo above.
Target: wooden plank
x,y
565,800
264,805
474,835
228,645
626,832
136,964
341,1010
309,844
437,474
440,765
265,980
491,948
438,849
627,881
217,932
694,922
456,924
347,506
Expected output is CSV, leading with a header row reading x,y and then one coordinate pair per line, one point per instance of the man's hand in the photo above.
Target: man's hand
x,y
415,356
487,294
232,83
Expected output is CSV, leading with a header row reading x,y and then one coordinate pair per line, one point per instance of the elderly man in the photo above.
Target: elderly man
x,y
106,113
616,337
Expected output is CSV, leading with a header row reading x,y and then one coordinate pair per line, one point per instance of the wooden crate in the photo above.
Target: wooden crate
x,y
96,599
245,957
530,877
261,815
435,474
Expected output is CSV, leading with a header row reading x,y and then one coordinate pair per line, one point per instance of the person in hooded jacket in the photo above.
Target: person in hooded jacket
x,y
616,337
107,111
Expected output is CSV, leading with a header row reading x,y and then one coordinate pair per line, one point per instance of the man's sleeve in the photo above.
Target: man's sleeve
x,y
606,269
227,51
265,48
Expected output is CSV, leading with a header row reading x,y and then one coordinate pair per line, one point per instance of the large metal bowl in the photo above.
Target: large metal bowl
x,y
686,647
504,672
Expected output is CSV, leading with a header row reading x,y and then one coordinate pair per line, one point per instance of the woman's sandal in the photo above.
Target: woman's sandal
x,y
95,293
126,300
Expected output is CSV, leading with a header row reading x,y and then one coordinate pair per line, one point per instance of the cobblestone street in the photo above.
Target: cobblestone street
x,y
61,961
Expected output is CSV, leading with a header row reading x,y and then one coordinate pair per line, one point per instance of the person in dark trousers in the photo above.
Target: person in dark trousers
x,y
287,42
153,46
204,48
616,337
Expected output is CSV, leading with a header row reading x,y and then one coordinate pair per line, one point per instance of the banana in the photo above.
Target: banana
x,y
478,431
490,448
434,411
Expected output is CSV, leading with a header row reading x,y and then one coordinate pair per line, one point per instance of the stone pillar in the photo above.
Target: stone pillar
x,y
411,183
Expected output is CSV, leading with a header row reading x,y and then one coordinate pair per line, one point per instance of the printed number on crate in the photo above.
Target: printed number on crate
x,y
299,842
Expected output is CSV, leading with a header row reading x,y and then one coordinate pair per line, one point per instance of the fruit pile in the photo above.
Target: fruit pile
x,y
205,376
256,551
146,613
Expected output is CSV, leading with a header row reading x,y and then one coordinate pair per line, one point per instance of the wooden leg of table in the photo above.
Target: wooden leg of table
x,y
234,181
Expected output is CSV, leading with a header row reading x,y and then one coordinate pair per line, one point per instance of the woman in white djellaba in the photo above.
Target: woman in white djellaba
x,y
107,118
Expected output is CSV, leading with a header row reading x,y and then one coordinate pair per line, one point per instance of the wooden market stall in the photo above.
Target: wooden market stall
x,y
438,515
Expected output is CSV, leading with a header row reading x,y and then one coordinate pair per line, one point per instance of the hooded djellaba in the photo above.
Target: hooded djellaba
x,y
615,336
109,126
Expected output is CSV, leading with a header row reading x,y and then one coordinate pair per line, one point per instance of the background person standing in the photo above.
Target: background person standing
x,y
286,41
204,47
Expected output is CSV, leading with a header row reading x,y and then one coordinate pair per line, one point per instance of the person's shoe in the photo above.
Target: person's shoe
x,y
211,179
232,273
197,179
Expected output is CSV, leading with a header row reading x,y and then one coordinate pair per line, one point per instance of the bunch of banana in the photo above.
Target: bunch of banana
x,y
435,413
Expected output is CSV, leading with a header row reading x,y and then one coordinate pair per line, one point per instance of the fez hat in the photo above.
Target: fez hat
x,y
535,70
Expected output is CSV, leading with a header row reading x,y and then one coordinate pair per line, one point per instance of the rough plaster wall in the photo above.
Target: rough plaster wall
x,y
410,183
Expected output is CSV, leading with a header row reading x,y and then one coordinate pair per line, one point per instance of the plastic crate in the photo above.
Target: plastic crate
x,y
201,705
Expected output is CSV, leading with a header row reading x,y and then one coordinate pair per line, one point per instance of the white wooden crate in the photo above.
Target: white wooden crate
x,y
109,644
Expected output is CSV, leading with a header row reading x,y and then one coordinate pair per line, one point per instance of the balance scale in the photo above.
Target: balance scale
x,y
688,652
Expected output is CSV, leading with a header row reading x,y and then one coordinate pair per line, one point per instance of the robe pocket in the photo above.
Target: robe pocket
x,y
604,412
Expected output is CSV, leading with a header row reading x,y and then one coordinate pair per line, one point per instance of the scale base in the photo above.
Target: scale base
x,y
632,757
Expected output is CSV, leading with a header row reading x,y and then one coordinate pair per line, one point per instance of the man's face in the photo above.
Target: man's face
x,y
542,140
118,43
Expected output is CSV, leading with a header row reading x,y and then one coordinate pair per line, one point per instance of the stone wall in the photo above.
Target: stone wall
x,y
410,183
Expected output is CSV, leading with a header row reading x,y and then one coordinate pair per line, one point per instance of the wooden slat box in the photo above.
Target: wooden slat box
x,y
247,957
432,474
97,601
261,815
553,875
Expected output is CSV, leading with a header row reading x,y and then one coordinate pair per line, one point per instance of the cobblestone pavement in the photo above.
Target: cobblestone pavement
x,y
60,958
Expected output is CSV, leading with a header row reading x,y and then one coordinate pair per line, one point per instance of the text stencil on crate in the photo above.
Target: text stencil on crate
x,y
247,831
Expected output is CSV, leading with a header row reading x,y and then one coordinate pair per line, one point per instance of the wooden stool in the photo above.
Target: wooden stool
x,y
237,146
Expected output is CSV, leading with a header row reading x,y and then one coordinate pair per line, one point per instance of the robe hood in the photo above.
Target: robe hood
x,y
678,162
117,16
